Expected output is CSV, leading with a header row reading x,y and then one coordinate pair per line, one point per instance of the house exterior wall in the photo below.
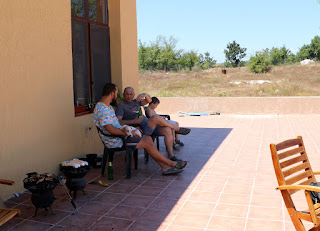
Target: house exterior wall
x,y
38,129
123,43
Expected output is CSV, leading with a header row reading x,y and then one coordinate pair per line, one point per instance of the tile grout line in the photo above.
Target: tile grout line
x,y
122,199
206,228
244,140
254,179
220,149
249,206
313,141
282,203
216,204
91,199
151,202
260,147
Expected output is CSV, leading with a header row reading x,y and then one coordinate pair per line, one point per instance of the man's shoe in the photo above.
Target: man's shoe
x,y
183,131
179,142
176,147
174,158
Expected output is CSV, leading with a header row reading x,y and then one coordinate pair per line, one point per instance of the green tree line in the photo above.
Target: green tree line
x,y
163,54
261,62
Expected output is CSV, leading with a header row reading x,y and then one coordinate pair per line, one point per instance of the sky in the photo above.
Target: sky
x,y
209,25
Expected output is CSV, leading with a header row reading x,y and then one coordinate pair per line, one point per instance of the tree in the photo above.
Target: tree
x,y
234,53
168,54
148,55
311,51
189,59
315,48
260,63
142,55
292,58
152,58
208,61
279,55
304,52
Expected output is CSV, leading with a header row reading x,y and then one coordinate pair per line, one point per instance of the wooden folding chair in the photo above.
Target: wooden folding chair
x,y
5,213
294,173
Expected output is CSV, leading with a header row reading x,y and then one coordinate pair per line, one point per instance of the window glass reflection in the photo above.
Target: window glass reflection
x,y
98,10
78,8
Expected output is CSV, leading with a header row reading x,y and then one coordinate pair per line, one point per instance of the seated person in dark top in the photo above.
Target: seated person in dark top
x,y
150,111
106,120
127,113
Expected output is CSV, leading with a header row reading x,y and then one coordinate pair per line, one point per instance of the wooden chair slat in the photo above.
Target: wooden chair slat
x,y
317,208
292,161
307,182
290,153
299,177
304,216
295,169
9,214
3,212
6,213
287,144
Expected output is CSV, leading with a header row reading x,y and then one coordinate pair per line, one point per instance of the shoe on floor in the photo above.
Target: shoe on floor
x,y
174,158
176,147
183,131
172,171
179,142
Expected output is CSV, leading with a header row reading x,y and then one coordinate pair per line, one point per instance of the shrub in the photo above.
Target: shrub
x,y
259,63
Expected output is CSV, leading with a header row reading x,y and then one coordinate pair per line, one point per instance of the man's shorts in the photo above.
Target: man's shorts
x,y
147,130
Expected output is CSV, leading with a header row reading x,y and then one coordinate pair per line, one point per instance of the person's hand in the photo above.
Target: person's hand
x,y
139,120
140,97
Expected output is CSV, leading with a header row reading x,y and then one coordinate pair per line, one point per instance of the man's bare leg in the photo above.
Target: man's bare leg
x,y
168,140
158,120
147,143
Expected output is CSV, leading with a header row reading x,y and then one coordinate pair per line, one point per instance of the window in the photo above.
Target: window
x,y
90,51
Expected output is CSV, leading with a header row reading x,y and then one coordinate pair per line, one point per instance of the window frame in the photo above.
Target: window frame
x,y
84,109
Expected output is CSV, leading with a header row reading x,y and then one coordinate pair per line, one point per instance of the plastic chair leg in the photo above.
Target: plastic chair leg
x,y
158,143
146,157
128,162
135,156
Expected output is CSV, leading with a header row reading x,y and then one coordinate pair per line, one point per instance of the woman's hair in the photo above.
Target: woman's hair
x,y
155,100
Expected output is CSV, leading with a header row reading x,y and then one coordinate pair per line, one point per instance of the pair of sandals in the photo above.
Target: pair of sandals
x,y
176,169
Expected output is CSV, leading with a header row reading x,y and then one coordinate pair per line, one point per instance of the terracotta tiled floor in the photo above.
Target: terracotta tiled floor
x,y
228,184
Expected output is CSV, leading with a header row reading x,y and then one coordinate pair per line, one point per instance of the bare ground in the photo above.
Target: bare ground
x,y
295,80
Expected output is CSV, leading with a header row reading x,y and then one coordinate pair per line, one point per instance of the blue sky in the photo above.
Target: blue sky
x,y
209,25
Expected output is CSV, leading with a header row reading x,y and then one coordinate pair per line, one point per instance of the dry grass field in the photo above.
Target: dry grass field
x,y
295,80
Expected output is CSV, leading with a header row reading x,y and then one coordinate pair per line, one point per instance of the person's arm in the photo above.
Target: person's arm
x,y
144,99
130,122
113,130
150,112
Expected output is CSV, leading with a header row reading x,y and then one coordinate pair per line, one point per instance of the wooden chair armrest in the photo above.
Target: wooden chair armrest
x,y
316,173
7,182
302,187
